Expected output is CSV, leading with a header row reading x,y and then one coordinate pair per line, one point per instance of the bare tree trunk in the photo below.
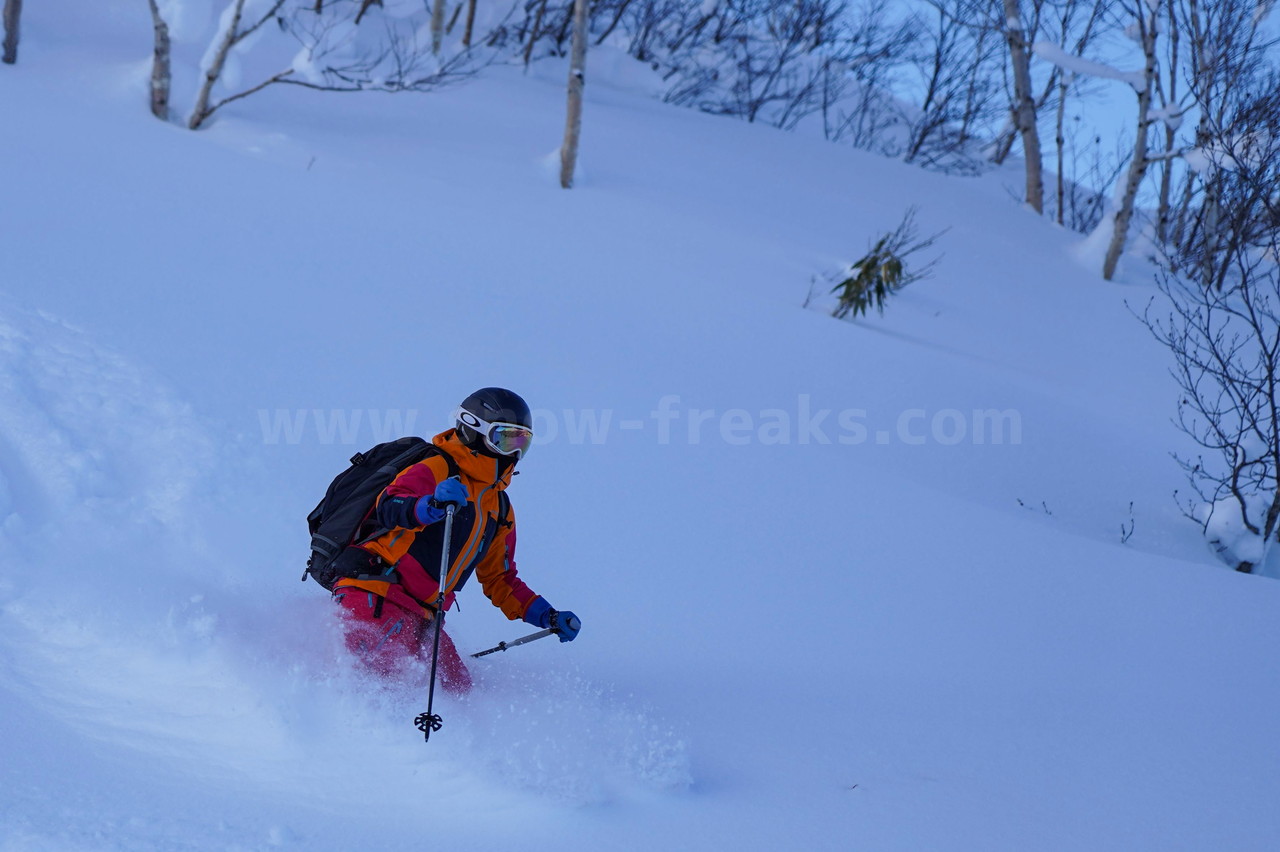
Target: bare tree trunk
x,y
1003,144
1064,81
577,82
1060,138
364,7
1178,237
214,71
437,25
1170,133
622,10
1209,229
160,73
1163,210
471,23
1139,164
225,44
1024,107
534,33
12,14
972,102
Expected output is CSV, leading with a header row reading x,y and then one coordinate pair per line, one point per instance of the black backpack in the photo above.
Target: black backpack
x,y
346,514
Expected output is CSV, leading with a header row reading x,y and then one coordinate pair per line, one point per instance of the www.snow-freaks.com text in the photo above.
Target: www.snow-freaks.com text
x,y
671,421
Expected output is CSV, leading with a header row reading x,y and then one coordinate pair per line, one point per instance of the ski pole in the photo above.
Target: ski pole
x,y
502,646
428,721
573,624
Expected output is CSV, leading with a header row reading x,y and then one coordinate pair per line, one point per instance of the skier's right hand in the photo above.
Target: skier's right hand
x,y
431,509
450,491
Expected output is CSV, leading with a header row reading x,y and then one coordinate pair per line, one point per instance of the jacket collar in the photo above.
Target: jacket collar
x,y
473,465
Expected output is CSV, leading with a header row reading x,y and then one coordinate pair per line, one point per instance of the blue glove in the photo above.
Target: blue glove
x,y
540,614
430,510
566,624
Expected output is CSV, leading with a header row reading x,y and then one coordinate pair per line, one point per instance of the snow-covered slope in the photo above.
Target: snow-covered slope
x,y
917,637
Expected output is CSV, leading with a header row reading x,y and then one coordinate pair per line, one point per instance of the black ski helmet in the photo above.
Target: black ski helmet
x,y
492,405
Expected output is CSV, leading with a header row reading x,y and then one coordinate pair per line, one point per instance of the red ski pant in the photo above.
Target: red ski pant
x,y
394,642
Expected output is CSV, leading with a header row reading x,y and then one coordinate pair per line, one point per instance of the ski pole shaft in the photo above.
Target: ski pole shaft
x,y
502,646
429,721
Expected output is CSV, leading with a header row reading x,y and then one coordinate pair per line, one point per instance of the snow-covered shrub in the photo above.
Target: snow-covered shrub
x,y
1225,343
1221,284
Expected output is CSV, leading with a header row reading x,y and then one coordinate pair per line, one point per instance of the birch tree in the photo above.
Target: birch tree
x,y
161,76
577,82
437,26
1144,24
1024,105
1146,29
1172,109
234,31
12,18
470,25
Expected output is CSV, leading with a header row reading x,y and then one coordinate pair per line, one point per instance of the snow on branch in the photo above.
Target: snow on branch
x,y
1051,52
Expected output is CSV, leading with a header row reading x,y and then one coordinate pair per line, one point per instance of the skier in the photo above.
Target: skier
x,y
387,586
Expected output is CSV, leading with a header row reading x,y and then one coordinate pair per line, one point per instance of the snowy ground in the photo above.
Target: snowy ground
x,y
878,629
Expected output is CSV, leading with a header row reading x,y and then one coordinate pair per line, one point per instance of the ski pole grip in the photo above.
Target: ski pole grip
x,y
449,505
572,623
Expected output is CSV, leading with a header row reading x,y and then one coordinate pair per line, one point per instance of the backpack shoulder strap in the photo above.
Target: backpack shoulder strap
x,y
425,453
406,459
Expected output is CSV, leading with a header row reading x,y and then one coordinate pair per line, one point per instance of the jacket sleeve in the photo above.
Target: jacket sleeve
x,y
498,577
397,502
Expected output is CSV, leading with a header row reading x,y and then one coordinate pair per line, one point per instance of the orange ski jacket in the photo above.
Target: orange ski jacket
x,y
483,544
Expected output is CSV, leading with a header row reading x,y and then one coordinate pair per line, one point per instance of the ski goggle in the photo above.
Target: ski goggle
x,y
507,439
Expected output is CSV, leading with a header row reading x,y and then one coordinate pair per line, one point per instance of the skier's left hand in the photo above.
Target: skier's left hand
x,y
541,614
565,624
